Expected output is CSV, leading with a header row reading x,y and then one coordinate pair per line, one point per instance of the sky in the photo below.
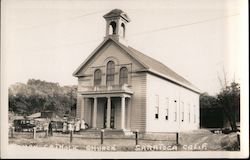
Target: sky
x,y
49,39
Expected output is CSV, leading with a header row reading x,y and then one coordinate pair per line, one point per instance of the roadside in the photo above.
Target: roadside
x,y
199,140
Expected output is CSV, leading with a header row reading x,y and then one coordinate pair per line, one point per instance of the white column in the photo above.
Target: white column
x,y
94,113
108,112
128,113
82,109
122,112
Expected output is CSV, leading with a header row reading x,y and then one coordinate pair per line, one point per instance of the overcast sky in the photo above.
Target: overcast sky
x,y
48,40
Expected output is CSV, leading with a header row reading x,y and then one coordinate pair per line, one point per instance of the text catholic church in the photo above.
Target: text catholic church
x,y
120,88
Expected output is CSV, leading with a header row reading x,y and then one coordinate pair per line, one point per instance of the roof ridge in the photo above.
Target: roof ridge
x,y
174,75
160,63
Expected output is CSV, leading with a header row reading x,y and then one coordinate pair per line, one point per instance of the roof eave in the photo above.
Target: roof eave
x,y
128,52
88,58
196,90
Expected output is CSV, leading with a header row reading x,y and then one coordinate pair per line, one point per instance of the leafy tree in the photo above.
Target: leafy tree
x,y
19,104
229,100
211,114
37,96
207,101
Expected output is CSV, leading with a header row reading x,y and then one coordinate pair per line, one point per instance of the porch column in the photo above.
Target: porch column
x,y
128,113
108,112
82,109
122,112
94,113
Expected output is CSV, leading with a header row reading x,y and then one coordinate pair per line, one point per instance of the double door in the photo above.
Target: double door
x,y
112,118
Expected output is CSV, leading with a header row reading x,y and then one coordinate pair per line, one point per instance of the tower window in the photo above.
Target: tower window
x,y
112,28
110,73
123,30
97,77
123,75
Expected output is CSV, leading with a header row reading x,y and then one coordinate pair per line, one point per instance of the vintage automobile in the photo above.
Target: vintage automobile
x,y
57,126
42,124
22,125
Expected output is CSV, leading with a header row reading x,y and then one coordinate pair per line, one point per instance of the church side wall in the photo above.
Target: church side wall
x,y
182,105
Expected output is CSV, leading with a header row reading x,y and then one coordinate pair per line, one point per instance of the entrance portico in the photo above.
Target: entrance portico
x,y
108,111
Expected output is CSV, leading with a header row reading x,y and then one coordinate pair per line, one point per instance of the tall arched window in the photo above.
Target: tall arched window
x,y
123,75
112,28
110,79
97,77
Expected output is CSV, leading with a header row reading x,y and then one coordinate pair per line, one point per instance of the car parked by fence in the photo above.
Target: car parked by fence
x,y
22,125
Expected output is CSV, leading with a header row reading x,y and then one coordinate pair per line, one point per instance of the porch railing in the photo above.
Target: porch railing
x,y
107,88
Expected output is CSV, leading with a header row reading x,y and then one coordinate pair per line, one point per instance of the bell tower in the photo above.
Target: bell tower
x,y
116,25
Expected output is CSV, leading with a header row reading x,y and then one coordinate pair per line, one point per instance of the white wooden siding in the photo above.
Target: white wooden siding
x,y
174,92
138,105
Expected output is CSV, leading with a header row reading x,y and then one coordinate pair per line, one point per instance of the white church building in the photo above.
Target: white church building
x,y
120,88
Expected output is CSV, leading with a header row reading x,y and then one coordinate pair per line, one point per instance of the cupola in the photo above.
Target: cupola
x,y
116,25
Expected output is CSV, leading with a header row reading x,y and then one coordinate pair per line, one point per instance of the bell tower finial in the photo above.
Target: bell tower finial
x,y
116,25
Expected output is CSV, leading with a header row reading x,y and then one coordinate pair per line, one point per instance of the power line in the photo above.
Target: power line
x,y
65,45
165,28
141,33
68,19
183,25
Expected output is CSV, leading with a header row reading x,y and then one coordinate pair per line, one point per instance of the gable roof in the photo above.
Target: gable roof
x,y
151,65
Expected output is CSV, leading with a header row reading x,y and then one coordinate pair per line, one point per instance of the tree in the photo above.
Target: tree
x,y
211,114
37,96
207,101
229,100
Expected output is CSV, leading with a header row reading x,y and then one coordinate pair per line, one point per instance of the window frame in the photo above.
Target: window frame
x,y
110,73
167,109
157,107
123,76
194,114
175,110
99,76
189,113
182,112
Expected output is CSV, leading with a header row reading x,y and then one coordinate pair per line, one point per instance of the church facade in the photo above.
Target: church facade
x,y
120,88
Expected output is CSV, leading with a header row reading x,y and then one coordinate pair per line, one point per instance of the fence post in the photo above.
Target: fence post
x,y
51,132
71,136
177,138
102,136
12,132
34,132
46,133
238,138
136,137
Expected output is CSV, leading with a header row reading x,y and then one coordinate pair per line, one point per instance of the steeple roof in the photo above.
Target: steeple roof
x,y
117,13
